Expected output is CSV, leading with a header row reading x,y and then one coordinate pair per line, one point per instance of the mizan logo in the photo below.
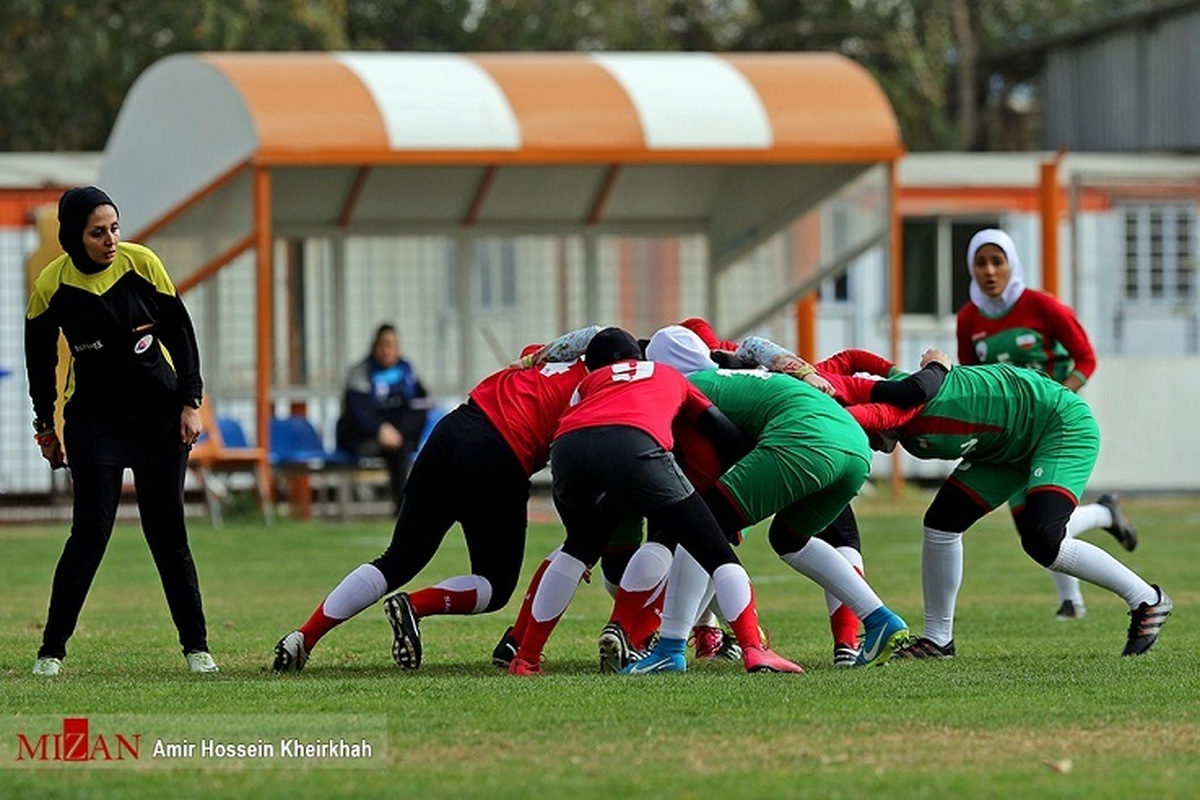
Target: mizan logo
x,y
76,743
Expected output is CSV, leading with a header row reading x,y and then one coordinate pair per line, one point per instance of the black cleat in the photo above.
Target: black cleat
x,y
406,635
1121,529
505,650
1069,612
920,647
1145,622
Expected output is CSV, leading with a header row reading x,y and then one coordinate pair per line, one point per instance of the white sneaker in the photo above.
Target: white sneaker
x,y
290,655
201,661
47,667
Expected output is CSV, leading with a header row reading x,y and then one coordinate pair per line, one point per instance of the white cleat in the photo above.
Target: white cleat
x,y
47,667
201,662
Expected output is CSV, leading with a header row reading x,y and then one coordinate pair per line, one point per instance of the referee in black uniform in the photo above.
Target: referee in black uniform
x,y
131,400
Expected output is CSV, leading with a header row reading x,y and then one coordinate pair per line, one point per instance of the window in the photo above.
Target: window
x,y
1160,253
936,278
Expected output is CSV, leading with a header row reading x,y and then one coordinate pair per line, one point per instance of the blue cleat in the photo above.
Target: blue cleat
x,y
667,656
885,632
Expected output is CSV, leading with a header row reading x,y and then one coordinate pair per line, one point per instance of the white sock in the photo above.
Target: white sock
x,y
734,593
856,560
558,585
465,583
1067,587
708,617
941,578
1085,518
821,562
647,568
361,589
1095,565
687,584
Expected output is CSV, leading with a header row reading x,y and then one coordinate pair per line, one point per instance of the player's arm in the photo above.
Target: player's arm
x,y
776,358
565,349
41,365
701,328
1065,327
917,388
881,422
853,360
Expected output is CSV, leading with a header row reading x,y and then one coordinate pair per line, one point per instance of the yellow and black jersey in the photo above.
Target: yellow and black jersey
x,y
133,347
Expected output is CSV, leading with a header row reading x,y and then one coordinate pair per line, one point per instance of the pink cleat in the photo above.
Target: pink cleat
x,y
761,659
519,666
708,641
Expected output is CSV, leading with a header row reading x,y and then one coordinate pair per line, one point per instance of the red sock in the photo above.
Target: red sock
x,y
639,613
526,612
317,626
844,626
745,627
533,641
436,600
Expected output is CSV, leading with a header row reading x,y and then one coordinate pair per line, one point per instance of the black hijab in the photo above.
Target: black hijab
x,y
74,208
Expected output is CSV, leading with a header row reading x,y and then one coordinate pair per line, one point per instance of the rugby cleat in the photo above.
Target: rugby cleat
x,y
1121,529
506,649
519,666
290,653
762,659
201,662
920,647
1068,611
406,634
47,667
708,641
1145,622
845,655
885,632
615,651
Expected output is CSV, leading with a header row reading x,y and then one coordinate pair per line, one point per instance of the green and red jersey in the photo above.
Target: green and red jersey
x,y
1037,332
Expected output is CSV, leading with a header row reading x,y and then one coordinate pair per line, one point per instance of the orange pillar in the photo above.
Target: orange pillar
x,y
806,326
896,265
1050,204
264,319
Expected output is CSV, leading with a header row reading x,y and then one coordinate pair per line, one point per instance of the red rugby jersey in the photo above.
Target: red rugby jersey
x,y
525,406
641,394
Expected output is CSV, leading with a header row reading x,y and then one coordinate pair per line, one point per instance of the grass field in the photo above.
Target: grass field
x,y
1030,708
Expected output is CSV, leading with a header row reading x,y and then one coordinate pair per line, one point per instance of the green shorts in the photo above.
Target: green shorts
x,y
1063,458
805,487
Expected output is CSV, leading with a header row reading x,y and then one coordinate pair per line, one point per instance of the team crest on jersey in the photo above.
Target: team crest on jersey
x,y
143,344
1027,341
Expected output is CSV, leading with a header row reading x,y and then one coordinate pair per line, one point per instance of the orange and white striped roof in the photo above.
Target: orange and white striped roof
x,y
192,117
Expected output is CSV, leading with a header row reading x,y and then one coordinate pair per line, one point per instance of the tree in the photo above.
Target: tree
x,y
65,67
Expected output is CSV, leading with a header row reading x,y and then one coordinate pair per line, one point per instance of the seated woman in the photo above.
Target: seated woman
x,y
383,412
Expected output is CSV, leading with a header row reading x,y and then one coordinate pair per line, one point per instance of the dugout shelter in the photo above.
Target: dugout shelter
x,y
269,161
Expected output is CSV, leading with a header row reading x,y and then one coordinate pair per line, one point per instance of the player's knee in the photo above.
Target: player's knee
x,y
1041,542
784,539
952,510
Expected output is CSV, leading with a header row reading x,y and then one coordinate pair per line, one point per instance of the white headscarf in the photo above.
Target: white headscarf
x,y
996,306
681,348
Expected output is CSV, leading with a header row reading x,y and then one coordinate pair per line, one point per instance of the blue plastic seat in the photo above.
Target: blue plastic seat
x,y
295,442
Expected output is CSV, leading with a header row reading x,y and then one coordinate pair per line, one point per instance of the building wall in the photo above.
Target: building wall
x,y
1132,89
